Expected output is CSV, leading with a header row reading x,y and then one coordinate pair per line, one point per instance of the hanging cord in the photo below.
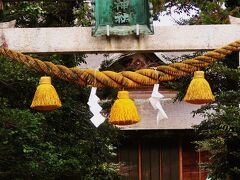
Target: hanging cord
x,y
95,74
127,79
156,73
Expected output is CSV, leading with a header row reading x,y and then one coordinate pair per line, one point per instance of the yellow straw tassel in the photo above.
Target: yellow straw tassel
x,y
199,91
124,111
46,97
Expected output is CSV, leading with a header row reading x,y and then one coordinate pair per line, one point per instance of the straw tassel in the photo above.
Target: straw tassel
x,y
199,91
45,97
124,111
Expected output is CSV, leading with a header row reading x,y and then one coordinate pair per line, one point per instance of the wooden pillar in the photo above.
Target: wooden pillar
x,y
139,161
238,59
160,162
199,161
180,161
1,5
1,10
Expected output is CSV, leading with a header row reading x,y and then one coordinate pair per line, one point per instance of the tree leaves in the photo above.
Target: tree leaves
x,y
51,145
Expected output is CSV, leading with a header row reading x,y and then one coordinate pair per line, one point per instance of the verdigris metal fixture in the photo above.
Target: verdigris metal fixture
x,y
122,17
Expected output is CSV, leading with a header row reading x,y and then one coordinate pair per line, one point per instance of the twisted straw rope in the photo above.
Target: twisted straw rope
x,y
124,79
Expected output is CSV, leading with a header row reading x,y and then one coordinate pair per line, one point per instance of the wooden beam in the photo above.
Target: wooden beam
x,y
10,24
79,39
234,20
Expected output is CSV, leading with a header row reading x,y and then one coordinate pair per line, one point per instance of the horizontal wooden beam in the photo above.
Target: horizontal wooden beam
x,y
79,39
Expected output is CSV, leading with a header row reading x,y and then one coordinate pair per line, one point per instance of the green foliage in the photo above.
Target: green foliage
x,y
19,133
47,13
220,131
232,3
62,144
58,144
218,14
219,10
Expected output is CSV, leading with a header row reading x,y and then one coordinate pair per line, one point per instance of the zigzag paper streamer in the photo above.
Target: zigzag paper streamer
x,y
156,104
95,108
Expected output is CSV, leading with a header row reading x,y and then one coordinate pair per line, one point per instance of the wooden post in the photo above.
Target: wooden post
x,y
238,59
1,5
160,163
139,161
137,30
1,9
180,161
199,161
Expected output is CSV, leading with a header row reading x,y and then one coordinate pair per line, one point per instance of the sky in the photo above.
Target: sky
x,y
168,20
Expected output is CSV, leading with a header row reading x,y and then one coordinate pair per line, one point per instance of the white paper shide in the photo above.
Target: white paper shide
x,y
95,108
155,101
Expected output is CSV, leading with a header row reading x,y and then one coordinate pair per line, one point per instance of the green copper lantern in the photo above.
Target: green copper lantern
x,y
122,17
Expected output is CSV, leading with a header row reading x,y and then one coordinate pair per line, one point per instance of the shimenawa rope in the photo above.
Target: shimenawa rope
x,y
124,79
